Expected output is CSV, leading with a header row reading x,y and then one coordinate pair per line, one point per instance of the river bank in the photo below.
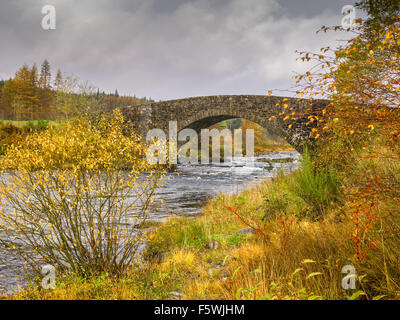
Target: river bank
x,y
266,242
226,252
185,258
184,194
285,235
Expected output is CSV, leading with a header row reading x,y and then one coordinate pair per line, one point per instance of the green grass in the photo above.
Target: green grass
x,y
31,124
319,189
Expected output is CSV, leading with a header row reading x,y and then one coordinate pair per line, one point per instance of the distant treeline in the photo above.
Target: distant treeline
x,y
32,94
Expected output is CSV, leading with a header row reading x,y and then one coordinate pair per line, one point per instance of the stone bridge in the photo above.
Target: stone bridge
x,y
202,112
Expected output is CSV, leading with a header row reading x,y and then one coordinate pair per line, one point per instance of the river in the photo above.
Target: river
x,y
185,191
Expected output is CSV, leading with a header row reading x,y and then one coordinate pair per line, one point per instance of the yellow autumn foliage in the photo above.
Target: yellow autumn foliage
x,y
73,197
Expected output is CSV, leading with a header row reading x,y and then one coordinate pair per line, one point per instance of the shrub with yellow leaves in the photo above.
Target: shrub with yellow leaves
x,y
74,197
361,80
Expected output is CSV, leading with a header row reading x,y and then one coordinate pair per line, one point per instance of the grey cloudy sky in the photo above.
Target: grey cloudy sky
x,y
168,49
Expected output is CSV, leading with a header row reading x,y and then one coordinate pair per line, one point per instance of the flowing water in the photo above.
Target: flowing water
x,y
185,191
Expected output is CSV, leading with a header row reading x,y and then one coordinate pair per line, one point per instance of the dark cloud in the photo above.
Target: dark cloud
x,y
169,49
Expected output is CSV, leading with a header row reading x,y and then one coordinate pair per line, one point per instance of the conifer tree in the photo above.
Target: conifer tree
x,y
58,80
46,94
7,98
45,75
26,100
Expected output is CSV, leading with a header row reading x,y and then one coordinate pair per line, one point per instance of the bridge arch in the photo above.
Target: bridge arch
x,y
202,112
